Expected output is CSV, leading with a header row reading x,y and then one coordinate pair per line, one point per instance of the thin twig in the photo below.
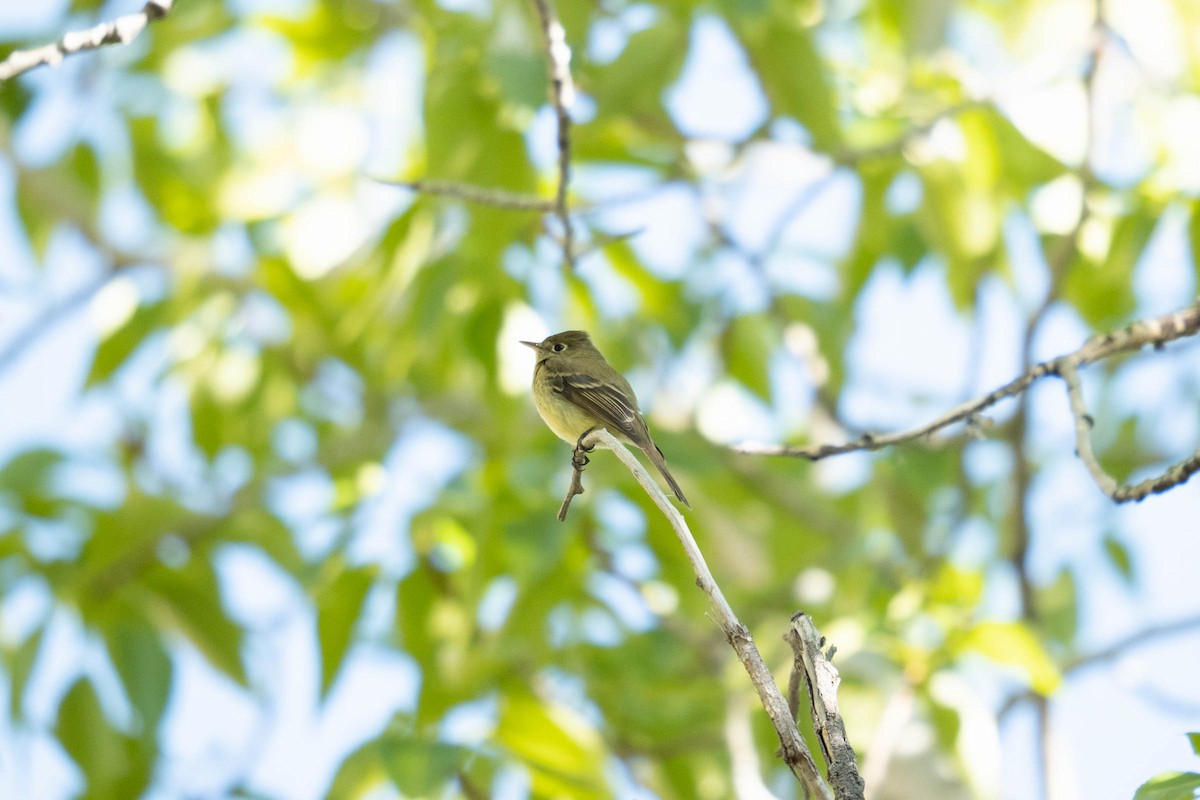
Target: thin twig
x,y
579,460
792,746
497,198
562,95
821,679
48,318
1156,332
122,30
1110,653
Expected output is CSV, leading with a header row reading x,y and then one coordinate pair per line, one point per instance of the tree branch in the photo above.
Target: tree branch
x,y
821,679
497,198
562,95
122,30
1110,653
795,752
1133,337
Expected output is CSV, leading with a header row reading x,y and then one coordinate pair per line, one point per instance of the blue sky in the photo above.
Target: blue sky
x,y
911,359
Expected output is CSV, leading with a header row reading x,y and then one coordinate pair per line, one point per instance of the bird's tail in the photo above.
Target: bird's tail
x,y
656,457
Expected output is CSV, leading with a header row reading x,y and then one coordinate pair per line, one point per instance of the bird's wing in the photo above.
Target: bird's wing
x,y
608,404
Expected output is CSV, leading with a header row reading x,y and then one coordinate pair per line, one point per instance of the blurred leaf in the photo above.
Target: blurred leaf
x,y
1013,643
963,224
1194,740
180,190
871,241
1170,786
1102,293
420,768
1057,608
747,345
329,32
654,692
119,344
1194,238
661,301
360,775
260,528
338,607
187,599
28,478
145,669
628,92
1120,557
208,423
1023,165
788,63
109,760
561,750
20,664
130,531
919,24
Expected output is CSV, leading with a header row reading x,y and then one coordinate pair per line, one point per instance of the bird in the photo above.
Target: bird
x,y
576,391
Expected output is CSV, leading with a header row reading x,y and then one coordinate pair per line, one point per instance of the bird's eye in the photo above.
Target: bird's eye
x,y
558,348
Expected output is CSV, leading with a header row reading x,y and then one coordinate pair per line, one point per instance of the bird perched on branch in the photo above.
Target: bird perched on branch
x,y
576,391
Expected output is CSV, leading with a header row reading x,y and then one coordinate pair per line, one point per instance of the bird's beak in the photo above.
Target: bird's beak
x,y
534,345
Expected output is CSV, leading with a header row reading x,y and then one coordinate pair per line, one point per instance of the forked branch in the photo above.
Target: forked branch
x,y
792,747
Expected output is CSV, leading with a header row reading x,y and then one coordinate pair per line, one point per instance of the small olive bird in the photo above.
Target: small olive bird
x,y
575,391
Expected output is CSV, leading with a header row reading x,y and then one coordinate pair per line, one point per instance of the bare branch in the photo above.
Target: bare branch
x,y
1144,636
821,679
1133,337
497,198
1111,653
562,95
795,752
48,318
579,460
122,30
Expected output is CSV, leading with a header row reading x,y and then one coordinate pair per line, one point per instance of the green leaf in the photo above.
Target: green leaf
x,y
1102,293
121,343
29,472
338,607
208,422
1013,643
260,528
871,240
1194,238
419,767
144,667
747,345
787,61
360,775
1023,165
661,301
629,90
1170,786
1194,739
136,525
1120,557
187,599
20,664
1057,607
112,763
180,190
963,224
562,751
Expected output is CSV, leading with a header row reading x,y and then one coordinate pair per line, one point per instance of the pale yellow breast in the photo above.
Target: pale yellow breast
x,y
567,420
